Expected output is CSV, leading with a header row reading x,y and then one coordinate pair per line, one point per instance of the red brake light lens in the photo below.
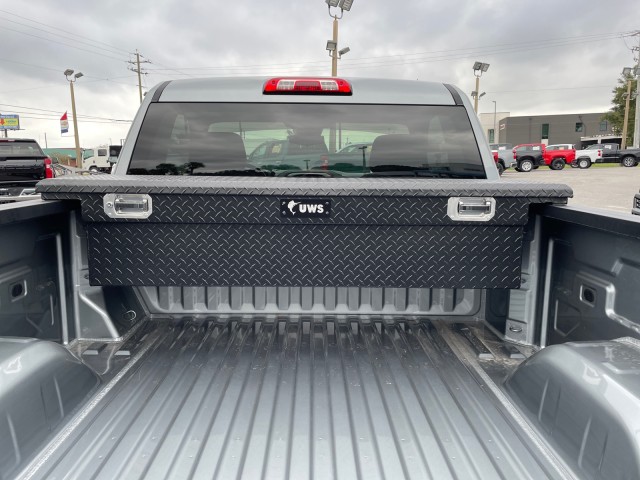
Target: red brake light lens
x,y
48,170
307,86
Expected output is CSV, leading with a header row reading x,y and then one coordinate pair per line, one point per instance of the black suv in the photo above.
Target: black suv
x,y
22,165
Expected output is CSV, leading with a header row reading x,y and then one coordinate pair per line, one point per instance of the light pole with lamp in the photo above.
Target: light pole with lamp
x,y
72,79
334,53
332,45
478,69
476,98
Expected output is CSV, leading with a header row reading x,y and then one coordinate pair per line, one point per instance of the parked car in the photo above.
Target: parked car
x,y
558,155
297,152
528,156
22,165
533,155
611,153
636,204
587,157
352,158
496,159
420,321
503,155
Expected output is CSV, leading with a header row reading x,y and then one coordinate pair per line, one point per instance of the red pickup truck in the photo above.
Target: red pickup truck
x,y
533,155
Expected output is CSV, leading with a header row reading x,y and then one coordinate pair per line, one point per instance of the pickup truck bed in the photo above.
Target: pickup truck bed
x,y
299,398
421,320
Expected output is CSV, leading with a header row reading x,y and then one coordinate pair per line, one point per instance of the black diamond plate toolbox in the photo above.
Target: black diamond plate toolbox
x,y
233,232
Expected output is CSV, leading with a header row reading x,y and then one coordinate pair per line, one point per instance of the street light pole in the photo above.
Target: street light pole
x,y
72,79
334,53
478,69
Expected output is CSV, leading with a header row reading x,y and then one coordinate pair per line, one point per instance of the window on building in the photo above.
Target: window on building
x,y
579,127
545,131
604,126
491,135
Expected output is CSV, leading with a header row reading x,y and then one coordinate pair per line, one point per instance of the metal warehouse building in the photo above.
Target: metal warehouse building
x,y
549,129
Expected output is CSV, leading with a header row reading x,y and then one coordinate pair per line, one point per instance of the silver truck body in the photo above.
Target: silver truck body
x,y
188,327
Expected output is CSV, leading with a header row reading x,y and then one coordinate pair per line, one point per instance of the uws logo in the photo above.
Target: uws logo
x,y
296,207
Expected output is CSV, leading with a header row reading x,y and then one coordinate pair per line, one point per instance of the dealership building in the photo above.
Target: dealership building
x,y
575,128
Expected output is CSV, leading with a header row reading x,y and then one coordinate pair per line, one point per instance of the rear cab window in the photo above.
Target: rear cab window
x,y
297,139
20,149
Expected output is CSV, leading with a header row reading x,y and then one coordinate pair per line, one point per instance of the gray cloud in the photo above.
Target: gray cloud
x,y
530,73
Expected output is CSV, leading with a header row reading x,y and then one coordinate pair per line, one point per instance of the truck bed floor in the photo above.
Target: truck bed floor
x,y
292,399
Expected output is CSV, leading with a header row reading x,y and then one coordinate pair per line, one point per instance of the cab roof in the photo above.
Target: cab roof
x,y
365,91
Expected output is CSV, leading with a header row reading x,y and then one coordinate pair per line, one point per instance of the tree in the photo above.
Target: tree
x,y
615,116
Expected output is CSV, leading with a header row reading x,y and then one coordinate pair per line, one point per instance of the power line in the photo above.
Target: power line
x,y
53,116
443,58
57,34
58,29
57,112
470,50
62,43
550,89
31,116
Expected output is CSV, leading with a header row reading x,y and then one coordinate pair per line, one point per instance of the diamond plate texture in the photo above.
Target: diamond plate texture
x,y
344,210
146,254
227,231
364,186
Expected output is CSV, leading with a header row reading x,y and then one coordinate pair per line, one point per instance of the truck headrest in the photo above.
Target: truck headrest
x,y
218,151
399,149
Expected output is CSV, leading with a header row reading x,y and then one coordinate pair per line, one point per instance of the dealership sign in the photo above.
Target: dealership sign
x,y
9,122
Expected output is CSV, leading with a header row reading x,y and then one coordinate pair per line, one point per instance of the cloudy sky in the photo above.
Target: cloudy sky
x,y
546,56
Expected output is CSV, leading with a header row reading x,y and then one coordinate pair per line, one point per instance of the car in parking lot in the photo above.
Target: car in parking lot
x,y
587,157
612,153
22,165
297,152
529,156
503,155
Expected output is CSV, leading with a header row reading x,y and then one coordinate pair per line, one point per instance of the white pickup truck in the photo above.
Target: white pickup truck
x,y
585,158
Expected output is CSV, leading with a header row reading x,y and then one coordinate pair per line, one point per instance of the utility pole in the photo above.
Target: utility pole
x,y
636,129
138,70
626,116
475,98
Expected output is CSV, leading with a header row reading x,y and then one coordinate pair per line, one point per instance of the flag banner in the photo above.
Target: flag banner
x,y
64,123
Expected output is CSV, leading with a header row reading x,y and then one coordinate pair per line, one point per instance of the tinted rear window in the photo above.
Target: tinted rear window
x,y
20,149
306,139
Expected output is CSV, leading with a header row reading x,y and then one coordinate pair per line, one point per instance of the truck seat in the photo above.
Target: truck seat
x,y
217,151
398,149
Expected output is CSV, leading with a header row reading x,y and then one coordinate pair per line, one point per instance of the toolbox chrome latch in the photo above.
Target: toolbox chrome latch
x,y
471,209
127,205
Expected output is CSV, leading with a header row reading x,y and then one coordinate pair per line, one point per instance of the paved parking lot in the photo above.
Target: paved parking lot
x,y
611,188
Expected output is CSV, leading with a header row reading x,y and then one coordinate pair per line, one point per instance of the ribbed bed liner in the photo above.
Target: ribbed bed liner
x,y
293,399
